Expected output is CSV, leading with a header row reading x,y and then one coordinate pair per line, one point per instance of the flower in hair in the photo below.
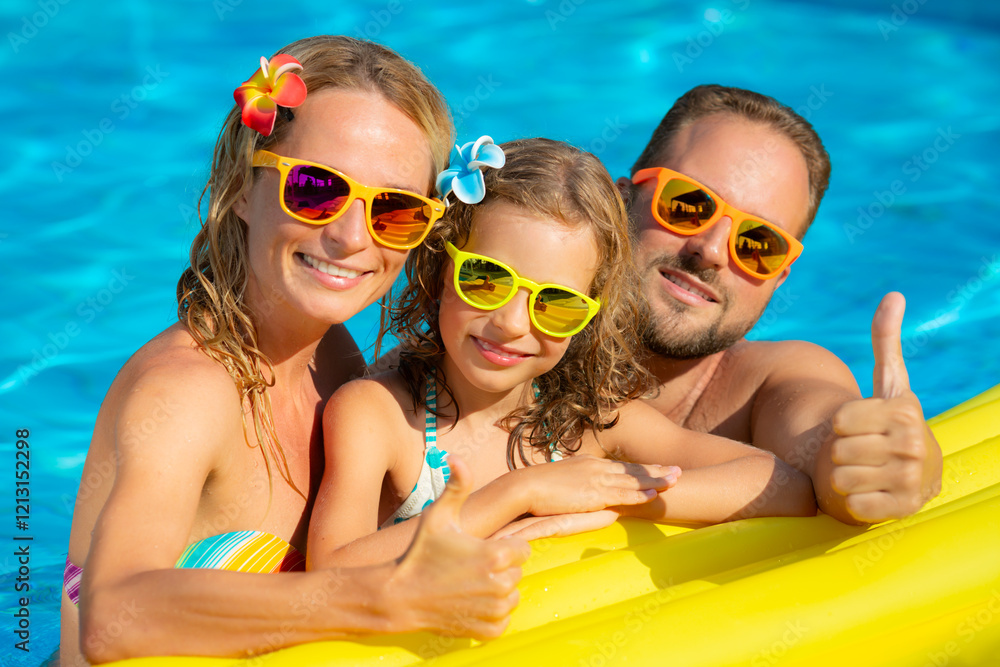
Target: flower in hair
x,y
463,176
271,86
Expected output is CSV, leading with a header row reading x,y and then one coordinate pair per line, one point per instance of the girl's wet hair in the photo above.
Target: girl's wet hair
x,y
211,292
600,369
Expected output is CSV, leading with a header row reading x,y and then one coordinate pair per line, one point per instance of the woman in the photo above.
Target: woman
x,y
208,446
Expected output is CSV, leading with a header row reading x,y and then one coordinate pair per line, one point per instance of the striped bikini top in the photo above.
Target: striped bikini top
x,y
239,551
434,470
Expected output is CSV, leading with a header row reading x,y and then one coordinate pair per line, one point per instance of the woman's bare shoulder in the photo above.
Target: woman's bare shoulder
x,y
172,375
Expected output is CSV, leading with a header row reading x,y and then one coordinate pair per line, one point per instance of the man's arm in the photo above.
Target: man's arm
x,y
870,459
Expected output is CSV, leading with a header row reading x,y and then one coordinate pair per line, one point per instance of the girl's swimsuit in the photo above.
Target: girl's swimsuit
x,y
434,471
239,551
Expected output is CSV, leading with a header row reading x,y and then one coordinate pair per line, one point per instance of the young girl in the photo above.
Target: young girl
x,y
517,352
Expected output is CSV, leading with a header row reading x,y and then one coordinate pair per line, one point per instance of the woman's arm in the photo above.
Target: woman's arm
x,y
723,480
133,603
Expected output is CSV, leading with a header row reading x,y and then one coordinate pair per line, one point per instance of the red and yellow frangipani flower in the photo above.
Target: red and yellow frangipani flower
x,y
272,85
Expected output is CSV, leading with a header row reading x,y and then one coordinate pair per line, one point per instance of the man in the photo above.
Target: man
x,y
870,459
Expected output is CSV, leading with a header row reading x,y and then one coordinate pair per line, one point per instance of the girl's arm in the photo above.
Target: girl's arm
x,y
362,424
364,429
723,480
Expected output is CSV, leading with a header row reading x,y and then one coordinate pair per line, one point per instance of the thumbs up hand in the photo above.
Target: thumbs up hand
x,y
450,582
886,462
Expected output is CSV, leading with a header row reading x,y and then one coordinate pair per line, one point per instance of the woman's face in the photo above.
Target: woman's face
x,y
499,350
327,274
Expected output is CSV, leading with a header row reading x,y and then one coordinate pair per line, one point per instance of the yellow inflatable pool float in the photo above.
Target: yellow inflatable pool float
x,y
760,592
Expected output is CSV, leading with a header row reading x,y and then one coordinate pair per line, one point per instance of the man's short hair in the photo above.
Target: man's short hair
x,y
710,99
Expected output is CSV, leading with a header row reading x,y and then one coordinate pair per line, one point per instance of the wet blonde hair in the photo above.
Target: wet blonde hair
x,y
600,369
211,293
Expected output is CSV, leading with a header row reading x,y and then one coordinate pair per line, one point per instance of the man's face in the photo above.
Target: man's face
x,y
701,302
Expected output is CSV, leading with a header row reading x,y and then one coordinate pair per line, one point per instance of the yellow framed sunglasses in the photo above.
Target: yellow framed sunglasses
x,y
686,207
487,284
314,193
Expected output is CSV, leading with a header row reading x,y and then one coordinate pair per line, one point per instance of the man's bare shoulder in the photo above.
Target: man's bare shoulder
x,y
761,358
772,363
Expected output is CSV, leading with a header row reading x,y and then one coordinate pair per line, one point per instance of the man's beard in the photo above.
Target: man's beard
x,y
666,334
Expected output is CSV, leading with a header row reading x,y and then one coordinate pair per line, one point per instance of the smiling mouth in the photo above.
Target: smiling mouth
x,y
500,351
330,269
688,286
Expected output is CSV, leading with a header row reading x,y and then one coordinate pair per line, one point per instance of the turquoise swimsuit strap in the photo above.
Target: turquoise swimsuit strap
x,y
430,419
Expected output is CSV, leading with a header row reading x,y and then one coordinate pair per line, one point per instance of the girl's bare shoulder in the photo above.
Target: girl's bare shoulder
x,y
383,397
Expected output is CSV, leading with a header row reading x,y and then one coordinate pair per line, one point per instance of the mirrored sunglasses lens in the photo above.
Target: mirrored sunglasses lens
x,y
484,283
559,311
684,206
399,219
315,193
760,248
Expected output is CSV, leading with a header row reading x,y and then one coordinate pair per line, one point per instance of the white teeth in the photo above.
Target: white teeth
x,y
330,269
497,351
688,286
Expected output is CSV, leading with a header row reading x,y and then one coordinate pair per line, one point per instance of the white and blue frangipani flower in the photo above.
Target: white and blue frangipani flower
x,y
463,175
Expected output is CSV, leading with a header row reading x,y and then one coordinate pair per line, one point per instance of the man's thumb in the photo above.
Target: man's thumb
x,y
890,377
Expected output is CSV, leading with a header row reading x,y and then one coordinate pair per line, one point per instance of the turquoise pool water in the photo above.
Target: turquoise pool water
x,y
114,109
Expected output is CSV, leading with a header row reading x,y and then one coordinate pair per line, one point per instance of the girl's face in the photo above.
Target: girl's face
x,y
499,350
301,272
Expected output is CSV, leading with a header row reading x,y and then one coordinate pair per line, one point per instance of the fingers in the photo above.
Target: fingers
x,y
878,416
875,507
901,481
509,552
646,472
861,450
491,622
631,483
852,480
890,376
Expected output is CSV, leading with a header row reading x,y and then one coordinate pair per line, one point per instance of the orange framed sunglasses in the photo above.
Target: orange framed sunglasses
x,y
314,193
686,207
